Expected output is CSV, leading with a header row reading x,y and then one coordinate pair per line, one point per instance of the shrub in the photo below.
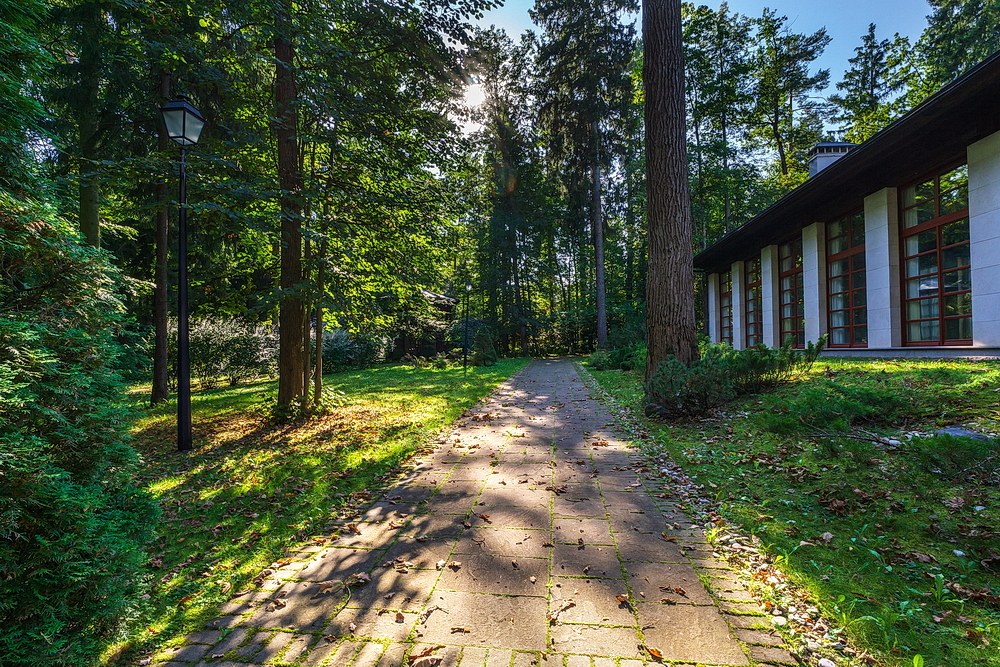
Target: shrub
x,y
72,519
600,361
343,349
950,454
483,352
228,349
720,375
832,408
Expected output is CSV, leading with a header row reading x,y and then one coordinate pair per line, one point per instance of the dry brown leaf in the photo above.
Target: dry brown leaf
x,y
429,661
399,617
455,565
352,627
655,653
513,564
353,528
423,654
461,629
440,564
327,587
668,601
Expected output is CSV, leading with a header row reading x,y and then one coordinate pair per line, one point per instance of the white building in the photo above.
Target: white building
x,y
893,249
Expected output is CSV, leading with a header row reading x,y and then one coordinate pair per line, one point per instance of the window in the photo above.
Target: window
x,y
792,293
752,321
937,272
726,306
845,272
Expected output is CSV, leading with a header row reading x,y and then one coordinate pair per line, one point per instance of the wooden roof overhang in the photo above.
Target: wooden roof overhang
x,y
933,134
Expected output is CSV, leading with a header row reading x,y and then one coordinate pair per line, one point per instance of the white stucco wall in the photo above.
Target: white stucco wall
x,y
814,279
769,296
882,261
714,311
739,336
984,233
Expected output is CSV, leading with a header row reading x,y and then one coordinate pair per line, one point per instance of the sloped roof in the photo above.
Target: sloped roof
x,y
934,133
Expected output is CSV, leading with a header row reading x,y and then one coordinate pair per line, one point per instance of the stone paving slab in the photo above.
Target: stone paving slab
x,y
527,537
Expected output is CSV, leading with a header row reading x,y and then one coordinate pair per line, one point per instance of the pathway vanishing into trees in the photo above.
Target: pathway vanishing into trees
x,y
532,536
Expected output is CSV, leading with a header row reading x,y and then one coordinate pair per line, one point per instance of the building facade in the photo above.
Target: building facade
x,y
891,250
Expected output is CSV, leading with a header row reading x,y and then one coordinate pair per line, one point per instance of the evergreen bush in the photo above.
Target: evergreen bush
x,y
720,375
483,352
343,349
73,521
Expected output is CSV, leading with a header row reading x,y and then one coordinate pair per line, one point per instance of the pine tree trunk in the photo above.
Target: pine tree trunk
x,y
321,290
597,222
670,317
90,82
161,360
291,357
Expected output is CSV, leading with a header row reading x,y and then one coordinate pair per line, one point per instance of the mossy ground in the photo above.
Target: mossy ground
x,y
899,543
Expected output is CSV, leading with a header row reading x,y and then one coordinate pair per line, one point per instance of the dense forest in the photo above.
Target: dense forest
x,y
382,179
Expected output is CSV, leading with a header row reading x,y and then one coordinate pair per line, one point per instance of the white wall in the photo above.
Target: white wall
x,y
714,309
984,232
769,296
739,336
814,280
882,261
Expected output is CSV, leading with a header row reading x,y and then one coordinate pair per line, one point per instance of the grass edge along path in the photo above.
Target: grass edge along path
x,y
894,574
252,492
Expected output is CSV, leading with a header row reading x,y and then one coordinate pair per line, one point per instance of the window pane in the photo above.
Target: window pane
x,y
788,310
839,284
860,315
839,336
921,265
923,212
956,256
959,329
787,325
955,232
858,261
956,281
924,331
921,242
857,229
958,304
834,246
919,287
954,178
955,200
859,298
922,309
839,318
837,228
861,335
839,268
838,301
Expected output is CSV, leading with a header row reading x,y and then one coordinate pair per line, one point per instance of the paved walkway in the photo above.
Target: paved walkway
x,y
531,536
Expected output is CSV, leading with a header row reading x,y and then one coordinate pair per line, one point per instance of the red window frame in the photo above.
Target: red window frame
x,y
726,307
846,280
791,293
935,260
753,325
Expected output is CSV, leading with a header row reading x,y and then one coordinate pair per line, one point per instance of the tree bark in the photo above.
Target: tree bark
x,y
161,359
597,223
321,291
670,316
291,316
87,122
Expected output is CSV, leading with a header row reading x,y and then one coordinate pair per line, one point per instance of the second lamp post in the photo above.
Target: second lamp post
x,y
184,124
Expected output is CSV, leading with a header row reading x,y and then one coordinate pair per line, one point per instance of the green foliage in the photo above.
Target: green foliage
x,y
720,375
483,352
949,454
628,358
228,349
825,407
72,520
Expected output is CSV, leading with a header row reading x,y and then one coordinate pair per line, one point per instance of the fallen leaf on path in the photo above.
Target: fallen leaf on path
x,y
514,564
327,587
399,617
668,601
440,564
353,528
429,661
655,653
461,629
455,565
554,616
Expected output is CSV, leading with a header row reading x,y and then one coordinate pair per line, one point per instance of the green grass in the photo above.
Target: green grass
x,y
892,574
252,489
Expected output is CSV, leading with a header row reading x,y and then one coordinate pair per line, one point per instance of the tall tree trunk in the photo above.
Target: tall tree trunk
x,y
291,357
321,291
597,223
90,84
306,329
670,317
161,360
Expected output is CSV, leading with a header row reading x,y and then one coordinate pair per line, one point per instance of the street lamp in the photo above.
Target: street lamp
x,y
184,124
465,347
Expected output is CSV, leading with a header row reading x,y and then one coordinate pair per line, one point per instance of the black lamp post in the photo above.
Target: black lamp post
x,y
465,347
184,124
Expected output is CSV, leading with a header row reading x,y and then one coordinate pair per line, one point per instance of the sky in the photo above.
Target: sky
x,y
845,21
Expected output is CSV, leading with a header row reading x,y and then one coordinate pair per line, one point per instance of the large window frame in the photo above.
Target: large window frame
x,y
935,260
753,323
846,280
726,307
791,293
